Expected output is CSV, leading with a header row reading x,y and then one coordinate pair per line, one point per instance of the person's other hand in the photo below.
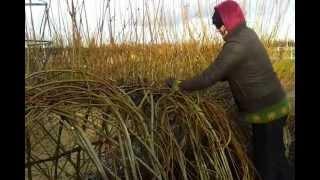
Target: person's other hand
x,y
173,83
169,82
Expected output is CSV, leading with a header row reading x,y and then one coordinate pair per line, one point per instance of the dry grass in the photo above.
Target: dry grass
x,y
128,63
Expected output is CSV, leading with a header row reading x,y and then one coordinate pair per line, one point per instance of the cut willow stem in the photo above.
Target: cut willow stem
x,y
56,163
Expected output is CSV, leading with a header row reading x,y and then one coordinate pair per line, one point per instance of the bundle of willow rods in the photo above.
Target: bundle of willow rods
x,y
78,125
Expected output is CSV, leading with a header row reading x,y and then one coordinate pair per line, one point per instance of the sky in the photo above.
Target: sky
x,y
261,15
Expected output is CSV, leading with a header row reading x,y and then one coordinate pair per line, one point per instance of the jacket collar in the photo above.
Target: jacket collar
x,y
235,31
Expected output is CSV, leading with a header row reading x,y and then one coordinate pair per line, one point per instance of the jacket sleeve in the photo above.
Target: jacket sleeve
x,y
231,55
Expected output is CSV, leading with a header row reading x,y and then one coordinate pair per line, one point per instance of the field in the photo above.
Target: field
x,y
133,84
102,111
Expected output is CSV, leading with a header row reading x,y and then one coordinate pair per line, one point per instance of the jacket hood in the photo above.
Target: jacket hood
x,y
231,14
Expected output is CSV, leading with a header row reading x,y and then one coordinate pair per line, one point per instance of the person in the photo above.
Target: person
x,y
258,93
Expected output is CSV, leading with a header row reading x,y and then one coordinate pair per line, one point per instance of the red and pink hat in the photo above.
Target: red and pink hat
x,y
230,13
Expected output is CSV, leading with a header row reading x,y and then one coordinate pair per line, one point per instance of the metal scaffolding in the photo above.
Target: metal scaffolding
x,y
34,42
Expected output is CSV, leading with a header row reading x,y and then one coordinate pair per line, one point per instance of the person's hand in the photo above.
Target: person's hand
x,y
173,83
169,82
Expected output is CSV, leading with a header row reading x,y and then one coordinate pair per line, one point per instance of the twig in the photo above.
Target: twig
x,y
28,148
66,153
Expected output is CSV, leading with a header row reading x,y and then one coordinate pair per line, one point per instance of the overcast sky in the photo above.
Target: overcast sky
x,y
260,14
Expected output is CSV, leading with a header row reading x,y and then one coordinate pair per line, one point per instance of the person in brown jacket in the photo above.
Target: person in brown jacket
x,y
244,63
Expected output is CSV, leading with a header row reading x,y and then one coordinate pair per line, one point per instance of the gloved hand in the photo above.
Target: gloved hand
x,y
173,83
